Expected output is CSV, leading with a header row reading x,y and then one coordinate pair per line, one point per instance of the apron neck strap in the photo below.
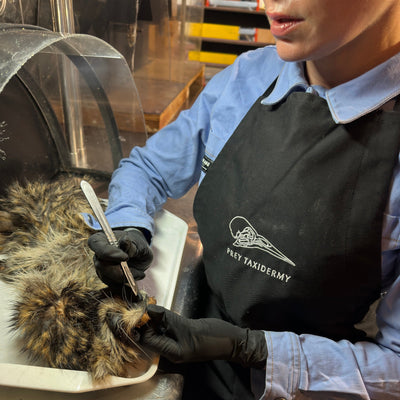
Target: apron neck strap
x,y
396,106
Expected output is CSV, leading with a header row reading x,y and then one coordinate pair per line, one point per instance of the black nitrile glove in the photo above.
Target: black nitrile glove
x,y
133,248
189,340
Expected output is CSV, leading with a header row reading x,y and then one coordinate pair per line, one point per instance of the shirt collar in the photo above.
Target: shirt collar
x,y
348,101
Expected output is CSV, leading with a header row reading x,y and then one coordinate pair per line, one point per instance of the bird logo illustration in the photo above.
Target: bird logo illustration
x,y
247,237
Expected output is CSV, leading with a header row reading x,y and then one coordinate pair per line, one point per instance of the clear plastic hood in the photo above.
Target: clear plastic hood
x,y
82,91
19,43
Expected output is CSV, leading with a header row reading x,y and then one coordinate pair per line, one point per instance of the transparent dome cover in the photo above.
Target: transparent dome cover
x,y
83,90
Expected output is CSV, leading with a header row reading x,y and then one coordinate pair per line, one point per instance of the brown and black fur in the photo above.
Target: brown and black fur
x,y
64,315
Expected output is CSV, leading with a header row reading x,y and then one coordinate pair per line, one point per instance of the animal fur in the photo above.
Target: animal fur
x,y
64,315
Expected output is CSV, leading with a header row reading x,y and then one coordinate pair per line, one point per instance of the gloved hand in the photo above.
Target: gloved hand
x,y
133,248
188,340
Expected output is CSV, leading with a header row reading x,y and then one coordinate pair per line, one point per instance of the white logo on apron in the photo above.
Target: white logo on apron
x,y
247,237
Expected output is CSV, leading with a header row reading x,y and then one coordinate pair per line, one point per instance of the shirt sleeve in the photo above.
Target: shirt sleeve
x,y
313,367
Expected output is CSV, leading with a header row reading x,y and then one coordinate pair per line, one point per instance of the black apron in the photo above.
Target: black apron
x,y
290,217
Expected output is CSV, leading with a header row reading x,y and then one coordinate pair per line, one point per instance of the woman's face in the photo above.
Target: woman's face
x,y
314,29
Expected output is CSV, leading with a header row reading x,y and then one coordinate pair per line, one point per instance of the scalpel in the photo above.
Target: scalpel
x,y
101,218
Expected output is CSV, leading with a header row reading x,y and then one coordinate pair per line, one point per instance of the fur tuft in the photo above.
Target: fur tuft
x,y
64,315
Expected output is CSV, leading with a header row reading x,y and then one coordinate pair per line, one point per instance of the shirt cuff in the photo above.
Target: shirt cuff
x,y
121,220
283,369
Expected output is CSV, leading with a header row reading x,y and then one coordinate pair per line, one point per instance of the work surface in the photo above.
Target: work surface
x,y
162,386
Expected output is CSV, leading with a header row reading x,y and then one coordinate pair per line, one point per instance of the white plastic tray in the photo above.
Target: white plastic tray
x,y
16,371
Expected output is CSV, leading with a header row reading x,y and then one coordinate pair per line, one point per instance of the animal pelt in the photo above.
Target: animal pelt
x,y
63,314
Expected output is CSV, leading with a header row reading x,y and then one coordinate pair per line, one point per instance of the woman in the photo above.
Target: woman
x,y
296,149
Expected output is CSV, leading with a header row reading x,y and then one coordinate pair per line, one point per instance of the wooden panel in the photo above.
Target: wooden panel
x,y
163,99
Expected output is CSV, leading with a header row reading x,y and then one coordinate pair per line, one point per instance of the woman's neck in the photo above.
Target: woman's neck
x,y
354,59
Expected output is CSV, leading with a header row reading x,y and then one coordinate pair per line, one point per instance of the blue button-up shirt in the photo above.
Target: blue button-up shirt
x,y
170,164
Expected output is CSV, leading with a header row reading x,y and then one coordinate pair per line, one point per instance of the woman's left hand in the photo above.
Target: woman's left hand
x,y
182,340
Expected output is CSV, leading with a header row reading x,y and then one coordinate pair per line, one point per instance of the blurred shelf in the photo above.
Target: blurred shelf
x,y
229,46
236,16
252,32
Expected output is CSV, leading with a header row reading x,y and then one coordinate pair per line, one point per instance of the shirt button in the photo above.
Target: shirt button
x,y
311,90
